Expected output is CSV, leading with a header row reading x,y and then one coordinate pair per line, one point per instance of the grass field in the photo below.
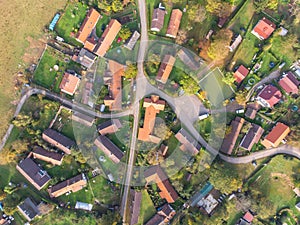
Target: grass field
x,y
26,19
147,208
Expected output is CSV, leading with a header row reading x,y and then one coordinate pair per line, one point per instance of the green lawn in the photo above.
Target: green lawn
x,y
147,209
267,57
204,127
71,21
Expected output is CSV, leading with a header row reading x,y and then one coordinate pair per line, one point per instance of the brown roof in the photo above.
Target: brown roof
x,y
229,141
153,106
60,138
110,126
174,23
289,83
165,69
90,44
278,133
136,198
188,59
251,110
157,22
69,83
252,137
167,211
88,25
109,148
73,184
107,37
33,173
264,28
83,118
155,220
49,154
240,74
157,175
270,95
189,143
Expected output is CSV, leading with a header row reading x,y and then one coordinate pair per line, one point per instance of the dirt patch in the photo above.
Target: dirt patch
x,y
34,50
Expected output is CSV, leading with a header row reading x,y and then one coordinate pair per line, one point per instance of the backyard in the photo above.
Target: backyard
x,y
147,209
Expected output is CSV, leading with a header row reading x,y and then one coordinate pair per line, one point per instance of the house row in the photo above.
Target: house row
x,y
158,17
136,200
163,216
188,143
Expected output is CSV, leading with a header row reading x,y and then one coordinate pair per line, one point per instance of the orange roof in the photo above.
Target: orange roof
x,y
278,133
90,44
264,28
153,106
165,69
240,74
69,83
108,37
88,25
174,23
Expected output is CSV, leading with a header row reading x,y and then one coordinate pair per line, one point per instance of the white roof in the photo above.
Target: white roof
x,y
84,206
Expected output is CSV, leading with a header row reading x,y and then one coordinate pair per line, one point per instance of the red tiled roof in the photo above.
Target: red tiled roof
x,y
240,74
264,28
165,69
289,83
90,44
278,133
248,217
174,23
69,83
270,94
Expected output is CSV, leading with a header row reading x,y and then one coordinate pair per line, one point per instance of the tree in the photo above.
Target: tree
x,y
196,13
162,131
228,78
262,5
22,120
219,8
125,33
240,97
181,37
116,6
131,70
219,47
189,85
104,5
155,157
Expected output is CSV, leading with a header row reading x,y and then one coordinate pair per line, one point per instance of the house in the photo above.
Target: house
x,y
163,149
109,148
165,69
246,219
235,43
107,38
163,216
188,59
88,25
269,96
86,93
136,200
132,41
240,74
83,119
289,83
90,44
231,138
222,21
85,58
156,220
156,174
47,156
188,143
69,83
113,79
36,175
278,133
84,206
109,127
174,23
251,110
58,140
263,29
252,137
158,17
29,209
153,106
209,203
73,184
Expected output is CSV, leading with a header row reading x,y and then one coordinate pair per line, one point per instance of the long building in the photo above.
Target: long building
x,y
174,23
188,143
47,156
165,69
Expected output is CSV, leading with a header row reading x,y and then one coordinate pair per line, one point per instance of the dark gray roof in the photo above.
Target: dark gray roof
x,y
83,117
155,220
60,138
114,150
86,58
188,59
108,123
68,182
29,209
49,154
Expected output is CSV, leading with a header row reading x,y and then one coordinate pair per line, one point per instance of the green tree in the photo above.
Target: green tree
x,y
228,78
241,97
125,33
116,6
219,47
154,157
131,70
196,13
104,5
219,8
162,131
22,120
189,85
262,5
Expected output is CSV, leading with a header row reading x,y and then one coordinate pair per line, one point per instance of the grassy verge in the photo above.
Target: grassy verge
x,y
147,208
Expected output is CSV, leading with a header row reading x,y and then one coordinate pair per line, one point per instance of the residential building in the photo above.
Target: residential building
x,y
174,23
163,149
289,83
188,143
209,203
85,58
35,174
231,138
269,96
113,78
29,209
188,59
84,206
246,219
88,25
158,17
109,127
240,74
263,29
90,44
251,137
73,184
156,174
156,220
83,119
58,140
235,43
109,148
136,200
153,106
47,156
163,216
278,133
132,41
69,83
107,38
165,69
222,21
251,110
